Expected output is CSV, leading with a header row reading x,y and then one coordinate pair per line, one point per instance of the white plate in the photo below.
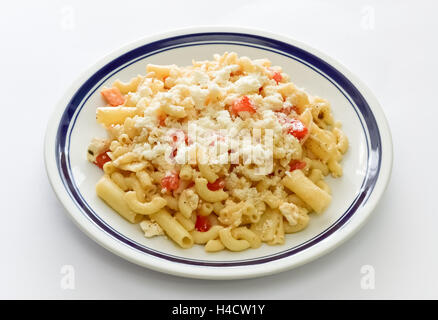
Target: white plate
x,y
367,165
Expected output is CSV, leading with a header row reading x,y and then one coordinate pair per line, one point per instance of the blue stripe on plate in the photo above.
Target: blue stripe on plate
x,y
344,85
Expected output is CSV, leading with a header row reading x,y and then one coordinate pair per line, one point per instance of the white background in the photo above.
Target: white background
x,y
390,45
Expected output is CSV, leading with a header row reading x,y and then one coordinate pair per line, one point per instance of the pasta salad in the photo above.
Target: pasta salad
x,y
227,153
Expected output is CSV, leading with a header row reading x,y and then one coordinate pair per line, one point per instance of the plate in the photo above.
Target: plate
x,y
367,164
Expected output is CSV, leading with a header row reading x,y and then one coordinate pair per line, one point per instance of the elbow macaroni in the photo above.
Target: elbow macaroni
x,y
154,175
206,194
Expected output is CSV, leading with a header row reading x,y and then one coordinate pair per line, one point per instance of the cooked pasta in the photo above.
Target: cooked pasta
x,y
225,153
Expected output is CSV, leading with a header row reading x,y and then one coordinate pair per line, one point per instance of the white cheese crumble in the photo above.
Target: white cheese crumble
x,y
247,84
151,229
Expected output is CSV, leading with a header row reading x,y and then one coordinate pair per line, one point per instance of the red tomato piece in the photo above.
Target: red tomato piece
x,y
101,159
170,181
113,96
242,104
297,129
277,77
202,223
297,165
218,184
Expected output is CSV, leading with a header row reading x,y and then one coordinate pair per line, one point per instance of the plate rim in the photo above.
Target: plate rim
x,y
215,272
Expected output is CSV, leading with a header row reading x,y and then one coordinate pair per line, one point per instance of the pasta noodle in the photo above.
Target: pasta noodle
x,y
173,229
114,197
314,196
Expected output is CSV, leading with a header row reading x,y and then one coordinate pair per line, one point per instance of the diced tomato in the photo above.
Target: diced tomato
x,y
113,96
202,223
242,104
277,77
297,165
297,129
170,181
218,184
101,159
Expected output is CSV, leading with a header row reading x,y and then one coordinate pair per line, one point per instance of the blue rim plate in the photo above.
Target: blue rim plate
x,y
377,142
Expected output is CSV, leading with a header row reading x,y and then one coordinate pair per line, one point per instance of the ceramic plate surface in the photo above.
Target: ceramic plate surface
x,y
367,164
